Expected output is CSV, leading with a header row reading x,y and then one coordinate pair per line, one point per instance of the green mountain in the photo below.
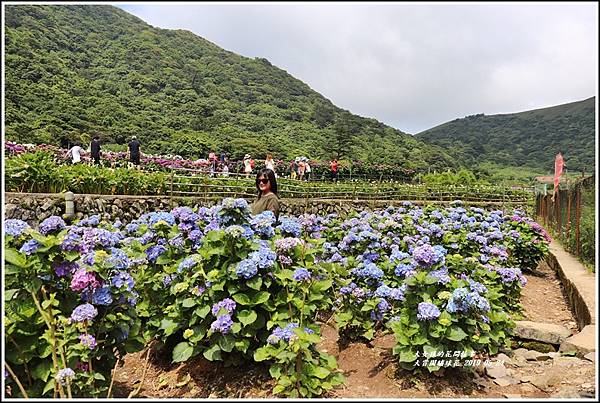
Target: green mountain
x,y
94,69
528,139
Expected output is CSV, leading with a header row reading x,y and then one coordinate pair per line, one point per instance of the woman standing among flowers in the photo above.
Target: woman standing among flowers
x,y
266,184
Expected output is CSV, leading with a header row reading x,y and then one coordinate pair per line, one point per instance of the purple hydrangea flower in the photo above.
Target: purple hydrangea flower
x,y
64,375
52,224
227,304
222,325
301,274
64,268
154,252
84,312
122,278
88,340
427,311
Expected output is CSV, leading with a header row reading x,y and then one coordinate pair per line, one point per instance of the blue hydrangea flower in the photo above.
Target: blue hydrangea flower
x,y
64,375
122,278
301,274
30,247
427,311
441,275
155,218
88,340
15,227
131,228
285,334
187,263
118,259
405,270
426,255
369,272
222,325
168,279
227,304
102,296
195,235
154,252
247,268
84,312
290,227
52,224
72,242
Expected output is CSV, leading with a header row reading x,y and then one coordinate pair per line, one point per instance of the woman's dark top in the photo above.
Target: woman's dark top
x,y
268,202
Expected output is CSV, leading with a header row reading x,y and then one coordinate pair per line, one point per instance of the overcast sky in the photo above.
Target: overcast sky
x,y
412,66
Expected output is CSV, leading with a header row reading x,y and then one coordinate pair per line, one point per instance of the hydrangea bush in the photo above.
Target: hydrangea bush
x,y
69,307
228,285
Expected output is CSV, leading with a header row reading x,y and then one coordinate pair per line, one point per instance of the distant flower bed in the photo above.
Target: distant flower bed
x,y
229,286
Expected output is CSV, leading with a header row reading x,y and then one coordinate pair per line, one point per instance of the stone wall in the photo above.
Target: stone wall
x,y
35,207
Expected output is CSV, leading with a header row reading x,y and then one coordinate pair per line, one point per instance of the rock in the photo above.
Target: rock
x,y
543,357
544,332
553,355
495,371
506,381
502,382
565,361
538,346
10,211
512,396
526,378
532,355
567,392
582,343
528,388
546,380
503,358
47,205
519,354
590,356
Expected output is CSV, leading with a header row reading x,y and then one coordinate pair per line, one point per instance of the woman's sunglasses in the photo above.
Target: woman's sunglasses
x,y
264,181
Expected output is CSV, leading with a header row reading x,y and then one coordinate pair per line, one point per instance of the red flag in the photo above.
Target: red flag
x,y
559,163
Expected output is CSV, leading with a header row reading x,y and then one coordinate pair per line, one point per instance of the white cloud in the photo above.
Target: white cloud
x,y
412,66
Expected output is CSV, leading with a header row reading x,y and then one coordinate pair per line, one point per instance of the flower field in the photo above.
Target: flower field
x,y
229,286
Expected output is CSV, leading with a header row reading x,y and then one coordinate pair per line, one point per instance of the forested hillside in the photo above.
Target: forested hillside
x,y
94,69
526,139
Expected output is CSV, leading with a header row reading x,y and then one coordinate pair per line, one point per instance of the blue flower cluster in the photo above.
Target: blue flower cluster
x,y
14,227
462,300
64,375
187,263
263,223
285,334
28,248
301,274
427,311
102,296
369,272
222,325
84,312
122,278
227,304
155,218
52,224
154,252
91,221
290,227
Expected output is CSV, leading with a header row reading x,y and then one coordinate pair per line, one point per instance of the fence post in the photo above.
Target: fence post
x,y
577,219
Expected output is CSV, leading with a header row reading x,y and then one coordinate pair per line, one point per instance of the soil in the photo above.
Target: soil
x,y
371,370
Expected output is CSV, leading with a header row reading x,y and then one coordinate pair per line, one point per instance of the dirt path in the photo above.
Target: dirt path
x,y
371,370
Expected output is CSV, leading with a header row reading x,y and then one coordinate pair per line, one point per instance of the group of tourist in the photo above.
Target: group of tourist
x,y
299,168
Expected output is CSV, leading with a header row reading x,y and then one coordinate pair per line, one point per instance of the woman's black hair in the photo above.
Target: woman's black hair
x,y
271,176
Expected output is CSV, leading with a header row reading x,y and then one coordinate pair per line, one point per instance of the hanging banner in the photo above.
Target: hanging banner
x,y
559,163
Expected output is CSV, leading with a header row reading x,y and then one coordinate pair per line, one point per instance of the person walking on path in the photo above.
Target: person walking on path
x,y
95,148
266,185
293,169
134,150
333,165
301,169
247,165
270,164
75,153
307,169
